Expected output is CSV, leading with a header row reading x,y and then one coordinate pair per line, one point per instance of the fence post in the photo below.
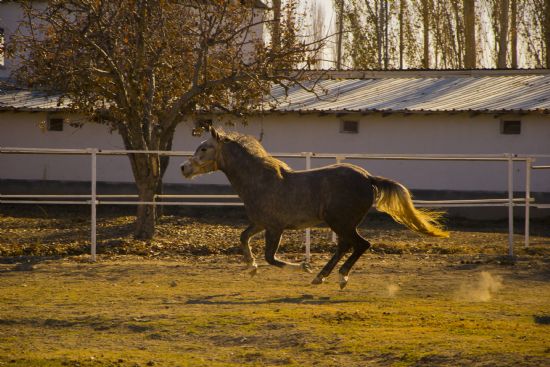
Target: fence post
x,y
339,160
93,202
308,230
510,204
528,163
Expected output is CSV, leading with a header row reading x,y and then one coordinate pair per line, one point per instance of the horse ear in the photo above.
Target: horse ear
x,y
216,135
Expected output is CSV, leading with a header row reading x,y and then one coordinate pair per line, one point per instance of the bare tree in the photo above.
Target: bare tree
x,y
340,13
426,33
318,33
142,67
514,34
401,33
459,22
470,34
503,34
276,24
447,33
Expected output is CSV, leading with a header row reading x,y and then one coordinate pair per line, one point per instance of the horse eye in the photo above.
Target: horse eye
x,y
203,149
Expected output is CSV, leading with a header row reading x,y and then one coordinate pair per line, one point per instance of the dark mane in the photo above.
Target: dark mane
x,y
252,147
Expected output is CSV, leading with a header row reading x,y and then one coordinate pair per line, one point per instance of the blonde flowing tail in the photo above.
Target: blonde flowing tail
x,y
395,200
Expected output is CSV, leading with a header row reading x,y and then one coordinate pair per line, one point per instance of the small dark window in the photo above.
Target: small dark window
x,y
55,124
349,127
510,127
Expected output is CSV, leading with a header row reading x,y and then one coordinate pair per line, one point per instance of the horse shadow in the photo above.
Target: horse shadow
x,y
305,299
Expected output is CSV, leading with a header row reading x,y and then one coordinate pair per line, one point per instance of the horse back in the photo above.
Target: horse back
x,y
305,198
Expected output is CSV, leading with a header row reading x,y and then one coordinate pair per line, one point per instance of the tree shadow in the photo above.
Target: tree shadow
x,y
24,263
94,322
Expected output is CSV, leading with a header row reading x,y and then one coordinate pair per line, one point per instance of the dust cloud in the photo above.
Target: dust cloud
x,y
482,290
392,289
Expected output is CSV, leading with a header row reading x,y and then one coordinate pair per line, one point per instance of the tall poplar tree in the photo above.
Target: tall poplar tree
x,y
470,34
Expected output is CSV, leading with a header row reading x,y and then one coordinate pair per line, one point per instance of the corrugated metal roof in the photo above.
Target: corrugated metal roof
x,y
385,92
24,100
474,93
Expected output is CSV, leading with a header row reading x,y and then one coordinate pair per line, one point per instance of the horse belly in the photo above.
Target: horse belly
x,y
284,213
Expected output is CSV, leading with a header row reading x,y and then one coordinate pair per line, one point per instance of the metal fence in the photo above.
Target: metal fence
x,y
94,199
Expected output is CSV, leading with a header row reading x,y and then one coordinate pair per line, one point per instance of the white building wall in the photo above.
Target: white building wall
x,y
11,14
417,134
290,133
26,130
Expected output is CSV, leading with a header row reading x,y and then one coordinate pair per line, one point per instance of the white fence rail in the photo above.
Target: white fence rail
x,y
93,199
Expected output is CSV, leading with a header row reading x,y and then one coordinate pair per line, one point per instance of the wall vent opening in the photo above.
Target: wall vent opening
x,y
349,127
55,124
510,127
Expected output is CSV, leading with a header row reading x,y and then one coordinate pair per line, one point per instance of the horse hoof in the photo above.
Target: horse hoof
x,y
343,281
306,267
318,280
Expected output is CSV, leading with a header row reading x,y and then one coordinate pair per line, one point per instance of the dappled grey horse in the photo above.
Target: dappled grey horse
x,y
277,198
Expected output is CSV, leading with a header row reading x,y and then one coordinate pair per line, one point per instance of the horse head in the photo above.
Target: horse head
x,y
206,157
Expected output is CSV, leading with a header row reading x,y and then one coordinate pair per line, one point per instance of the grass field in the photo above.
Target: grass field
x,y
398,310
412,301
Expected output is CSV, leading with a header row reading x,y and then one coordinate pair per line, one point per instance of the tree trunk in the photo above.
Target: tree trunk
x,y
386,36
340,35
426,33
454,53
514,34
379,33
547,31
503,35
146,169
470,34
276,30
146,214
401,33
459,34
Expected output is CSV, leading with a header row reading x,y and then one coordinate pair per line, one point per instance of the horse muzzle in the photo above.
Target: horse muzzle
x,y
187,170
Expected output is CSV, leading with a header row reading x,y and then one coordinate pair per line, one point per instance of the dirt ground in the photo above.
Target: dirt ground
x,y
54,231
185,298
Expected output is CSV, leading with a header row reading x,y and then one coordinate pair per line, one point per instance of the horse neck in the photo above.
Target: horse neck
x,y
244,171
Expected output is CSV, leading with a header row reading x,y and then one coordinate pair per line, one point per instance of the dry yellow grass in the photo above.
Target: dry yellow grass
x,y
411,301
398,310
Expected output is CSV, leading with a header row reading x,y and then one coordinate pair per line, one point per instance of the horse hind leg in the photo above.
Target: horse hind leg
x,y
343,247
272,242
360,245
246,235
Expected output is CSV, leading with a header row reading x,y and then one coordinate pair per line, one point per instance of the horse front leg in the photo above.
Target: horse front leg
x,y
247,234
272,242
